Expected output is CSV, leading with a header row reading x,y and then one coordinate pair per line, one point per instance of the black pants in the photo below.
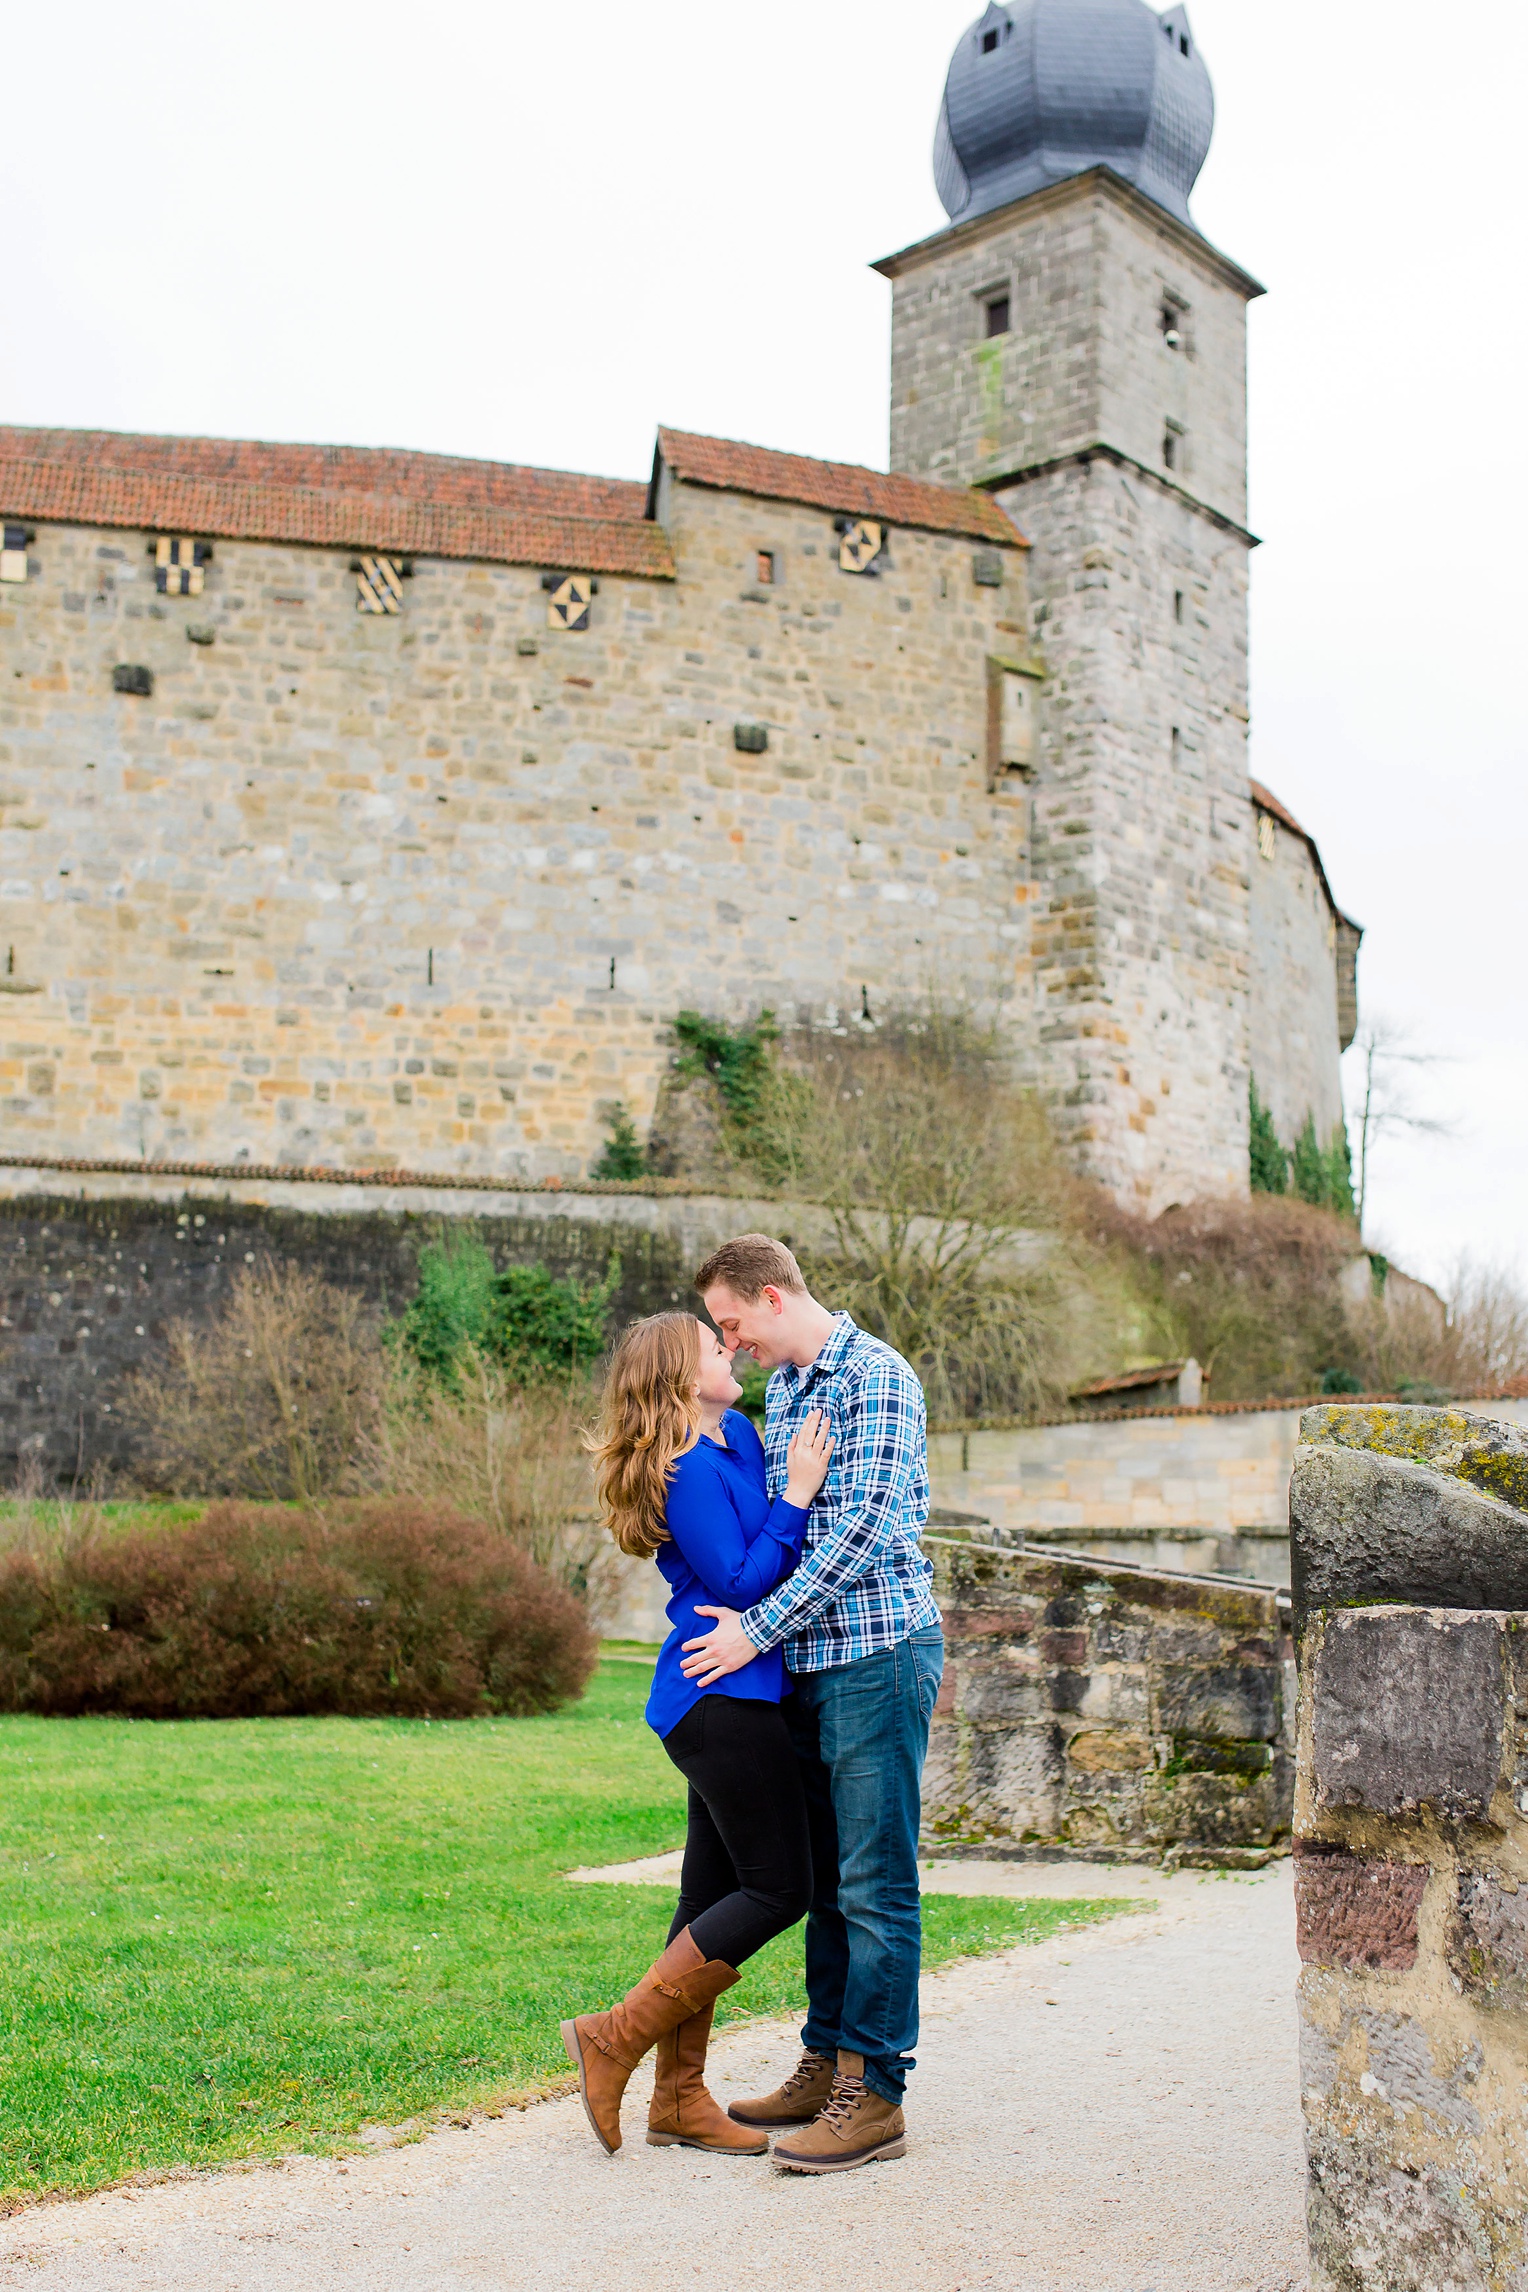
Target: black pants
x,y
747,1862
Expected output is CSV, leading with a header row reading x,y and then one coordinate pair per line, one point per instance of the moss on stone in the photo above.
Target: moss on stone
x,y
1222,1755
1486,1455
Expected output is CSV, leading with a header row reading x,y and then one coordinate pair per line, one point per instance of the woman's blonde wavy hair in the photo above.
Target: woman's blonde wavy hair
x,y
649,1416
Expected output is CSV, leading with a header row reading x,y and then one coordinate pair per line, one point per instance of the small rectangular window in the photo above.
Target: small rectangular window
x,y
1177,745
1173,455
1178,607
765,568
989,42
997,315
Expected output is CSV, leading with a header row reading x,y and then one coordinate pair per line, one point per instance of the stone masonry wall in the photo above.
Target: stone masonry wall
x,y
1293,1006
1102,1707
428,890
1086,266
1411,1547
88,1288
1198,1491
1142,832
1142,822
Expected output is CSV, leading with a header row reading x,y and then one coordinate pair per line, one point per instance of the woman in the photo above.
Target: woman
x,y
681,1480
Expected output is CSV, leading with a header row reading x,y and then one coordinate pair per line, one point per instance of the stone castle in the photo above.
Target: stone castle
x,y
373,809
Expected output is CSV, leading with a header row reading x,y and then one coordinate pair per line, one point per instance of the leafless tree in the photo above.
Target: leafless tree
x,y
1387,1064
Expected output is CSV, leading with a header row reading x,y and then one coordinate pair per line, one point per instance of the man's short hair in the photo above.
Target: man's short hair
x,y
750,1265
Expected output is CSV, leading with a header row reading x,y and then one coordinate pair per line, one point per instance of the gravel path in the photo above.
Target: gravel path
x,y
1112,2111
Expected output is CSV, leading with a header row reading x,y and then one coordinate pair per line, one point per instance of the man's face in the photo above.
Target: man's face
x,y
755,1327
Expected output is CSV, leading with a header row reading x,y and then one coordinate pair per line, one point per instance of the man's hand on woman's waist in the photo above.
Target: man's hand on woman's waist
x,y
723,1650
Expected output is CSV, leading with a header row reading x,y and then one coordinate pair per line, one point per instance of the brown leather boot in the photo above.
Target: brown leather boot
x,y
683,2114
605,2047
806,2092
856,2127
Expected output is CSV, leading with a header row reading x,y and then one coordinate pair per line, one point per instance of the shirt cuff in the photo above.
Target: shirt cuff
x,y
755,1628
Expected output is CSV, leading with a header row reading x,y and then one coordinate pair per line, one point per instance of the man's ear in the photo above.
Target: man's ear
x,y
776,1301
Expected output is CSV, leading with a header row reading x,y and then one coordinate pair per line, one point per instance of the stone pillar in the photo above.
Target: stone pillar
x,y
1410,1558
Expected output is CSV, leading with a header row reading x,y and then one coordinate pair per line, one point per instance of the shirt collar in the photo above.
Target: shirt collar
x,y
845,1330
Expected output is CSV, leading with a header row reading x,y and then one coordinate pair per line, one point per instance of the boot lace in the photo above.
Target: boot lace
x,y
848,2093
806,2072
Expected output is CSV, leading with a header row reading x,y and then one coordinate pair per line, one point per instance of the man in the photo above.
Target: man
x,y
862,1641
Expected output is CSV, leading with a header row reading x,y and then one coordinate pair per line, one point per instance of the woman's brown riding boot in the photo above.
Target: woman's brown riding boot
x,y
605,2047
683,2114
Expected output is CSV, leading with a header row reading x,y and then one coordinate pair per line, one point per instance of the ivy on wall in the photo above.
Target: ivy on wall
x,y
1320,1175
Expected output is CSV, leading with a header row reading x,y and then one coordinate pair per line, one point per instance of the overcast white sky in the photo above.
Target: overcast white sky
x,y
534,233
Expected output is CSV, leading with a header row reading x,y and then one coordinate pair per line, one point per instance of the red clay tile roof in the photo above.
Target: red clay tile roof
x,y
433,505
1267,801
735,468
1156,1373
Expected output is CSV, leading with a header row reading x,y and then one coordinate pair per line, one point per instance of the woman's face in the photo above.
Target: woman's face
x,y
716,1381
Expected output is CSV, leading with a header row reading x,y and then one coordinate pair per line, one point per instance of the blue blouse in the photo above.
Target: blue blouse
x,y
727,1547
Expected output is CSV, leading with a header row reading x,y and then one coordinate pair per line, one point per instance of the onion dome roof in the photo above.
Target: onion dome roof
x,y
1042,89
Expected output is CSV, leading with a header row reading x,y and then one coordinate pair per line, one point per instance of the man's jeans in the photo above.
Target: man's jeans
x,y
861,1731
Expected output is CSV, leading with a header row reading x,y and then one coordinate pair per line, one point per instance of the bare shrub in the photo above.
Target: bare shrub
x,y
1406,1344
1249,1288
953,1216
264,1610
501,1447
269,1399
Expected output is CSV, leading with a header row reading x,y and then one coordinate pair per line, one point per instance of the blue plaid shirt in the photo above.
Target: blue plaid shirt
x,y
862,1583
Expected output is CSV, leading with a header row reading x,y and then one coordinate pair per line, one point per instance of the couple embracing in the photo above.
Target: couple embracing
x,y
794,1693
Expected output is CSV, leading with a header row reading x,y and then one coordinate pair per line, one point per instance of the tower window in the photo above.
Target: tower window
x,y
1174,440
764,565
989,42
1183,43
997,315
1177,745
1172,322
1178,607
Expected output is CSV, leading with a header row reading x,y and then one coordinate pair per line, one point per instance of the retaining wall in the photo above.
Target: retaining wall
x,y
1199,1489
89,1285
1106,1708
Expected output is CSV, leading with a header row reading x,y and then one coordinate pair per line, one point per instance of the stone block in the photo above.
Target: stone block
x,y
1108,1750
1368,1526
993,1689
1488,1940
1377,2225
1239,1700
1355,1912
993,1782
1214,1810
1407,1711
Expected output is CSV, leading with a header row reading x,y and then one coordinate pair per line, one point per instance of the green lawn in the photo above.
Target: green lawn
x,y
235,1938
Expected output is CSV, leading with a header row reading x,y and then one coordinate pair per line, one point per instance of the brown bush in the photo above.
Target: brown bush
x,y
1249,1288
263,1610
269,1399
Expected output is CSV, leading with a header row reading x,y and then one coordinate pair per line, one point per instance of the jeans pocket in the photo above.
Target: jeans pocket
x,y
928,1658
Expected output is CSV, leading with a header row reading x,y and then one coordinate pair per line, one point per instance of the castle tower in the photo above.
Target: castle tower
x,y
1073,345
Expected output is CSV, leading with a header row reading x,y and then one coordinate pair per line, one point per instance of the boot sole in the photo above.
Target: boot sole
x,y
896,2148
776,2124
576,2055
712,2148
